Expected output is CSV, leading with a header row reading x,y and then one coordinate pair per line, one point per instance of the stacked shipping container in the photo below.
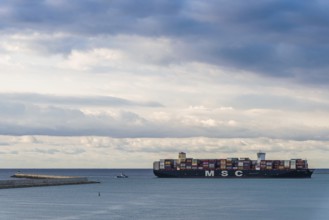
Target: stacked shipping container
x,y
184,163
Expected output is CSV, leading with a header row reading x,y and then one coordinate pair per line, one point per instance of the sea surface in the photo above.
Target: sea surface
x,y
143,196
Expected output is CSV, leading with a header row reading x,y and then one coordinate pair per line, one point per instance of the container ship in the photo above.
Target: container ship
x,y
184,167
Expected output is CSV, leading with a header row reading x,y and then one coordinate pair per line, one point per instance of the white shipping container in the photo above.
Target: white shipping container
x,y
293,164
293,167
156,165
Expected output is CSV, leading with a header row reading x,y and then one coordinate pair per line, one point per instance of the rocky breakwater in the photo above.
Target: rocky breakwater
x,y
35,180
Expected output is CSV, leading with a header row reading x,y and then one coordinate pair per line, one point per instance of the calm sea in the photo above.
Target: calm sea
x,y
143,196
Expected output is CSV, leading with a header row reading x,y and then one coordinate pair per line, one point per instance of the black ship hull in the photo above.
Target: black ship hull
x,y
299,173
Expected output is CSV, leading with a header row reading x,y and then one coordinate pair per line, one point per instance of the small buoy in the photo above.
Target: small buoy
x,y
99,194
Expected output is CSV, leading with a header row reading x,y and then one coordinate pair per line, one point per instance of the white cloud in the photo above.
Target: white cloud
x,y
28,139
209,123
96,58
106,152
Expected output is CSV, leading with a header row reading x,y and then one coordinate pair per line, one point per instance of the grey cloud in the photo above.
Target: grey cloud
x,y
203,145
272,38
18,98
4,143
9,152
57,116
86,16
49,120
174,17
73,151
47,151
279,102
56,121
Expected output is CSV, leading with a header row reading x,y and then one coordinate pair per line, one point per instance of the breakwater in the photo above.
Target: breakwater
x,y
39,176
35,180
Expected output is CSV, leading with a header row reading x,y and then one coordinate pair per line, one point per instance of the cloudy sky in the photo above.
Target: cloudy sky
x,y
121,83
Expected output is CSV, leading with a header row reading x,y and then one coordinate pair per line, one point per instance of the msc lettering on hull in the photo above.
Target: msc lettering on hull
x,y
224,173
210,173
